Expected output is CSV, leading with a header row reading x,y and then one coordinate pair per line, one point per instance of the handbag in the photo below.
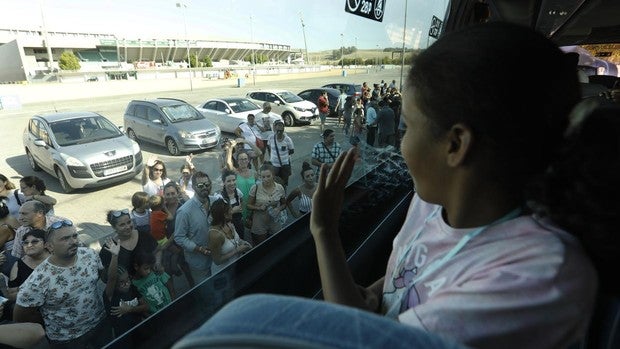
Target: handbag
x,y
259,142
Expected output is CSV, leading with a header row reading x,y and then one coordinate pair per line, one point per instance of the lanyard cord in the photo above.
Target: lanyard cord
x,y
438,263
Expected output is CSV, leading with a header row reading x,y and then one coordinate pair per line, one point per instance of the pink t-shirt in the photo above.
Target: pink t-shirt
x,y
522,283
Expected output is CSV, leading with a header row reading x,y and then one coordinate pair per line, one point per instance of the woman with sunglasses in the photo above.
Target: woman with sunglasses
x,y
34,254
131,241
246,176
154,176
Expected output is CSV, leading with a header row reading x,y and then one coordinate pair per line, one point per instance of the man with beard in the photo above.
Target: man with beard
x,y
191,229
62,293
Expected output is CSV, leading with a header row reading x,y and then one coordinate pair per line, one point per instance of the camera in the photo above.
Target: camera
x,y
225,141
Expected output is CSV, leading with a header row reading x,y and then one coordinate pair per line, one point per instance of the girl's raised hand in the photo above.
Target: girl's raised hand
x,y
150,162
329,194
112,246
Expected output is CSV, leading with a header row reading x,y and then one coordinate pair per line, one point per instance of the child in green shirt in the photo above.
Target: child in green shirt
x,y
156,288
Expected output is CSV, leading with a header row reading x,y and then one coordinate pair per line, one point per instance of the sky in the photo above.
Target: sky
x,y
272,21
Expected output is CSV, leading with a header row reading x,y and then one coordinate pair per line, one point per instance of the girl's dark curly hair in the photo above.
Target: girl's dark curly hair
x,y
580,189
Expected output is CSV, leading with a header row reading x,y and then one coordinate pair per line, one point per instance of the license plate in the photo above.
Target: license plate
x,y
208,141
114,170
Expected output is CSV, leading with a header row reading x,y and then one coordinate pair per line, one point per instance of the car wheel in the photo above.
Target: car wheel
x,y
32,161
132,135
289,119
172,146
63,181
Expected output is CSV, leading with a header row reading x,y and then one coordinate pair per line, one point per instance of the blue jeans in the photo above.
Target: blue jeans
x,y
293,322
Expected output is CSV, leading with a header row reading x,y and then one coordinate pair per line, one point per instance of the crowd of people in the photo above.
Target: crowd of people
x,y
173,227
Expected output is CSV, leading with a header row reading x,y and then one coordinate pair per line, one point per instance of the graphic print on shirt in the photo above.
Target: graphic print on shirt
x,y
155,295
404,291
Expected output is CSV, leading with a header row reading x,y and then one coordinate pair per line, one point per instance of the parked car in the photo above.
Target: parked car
x,y
229,112
353,90
171,123
81,149
313,94
293,109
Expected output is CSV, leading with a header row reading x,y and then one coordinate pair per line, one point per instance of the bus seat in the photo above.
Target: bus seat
x,y
589,89
243,341
604,330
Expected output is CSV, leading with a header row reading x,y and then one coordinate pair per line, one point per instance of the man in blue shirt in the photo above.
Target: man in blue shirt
x,y
192,227
371,123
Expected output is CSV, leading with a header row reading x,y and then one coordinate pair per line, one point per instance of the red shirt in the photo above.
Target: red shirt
x,y
158,224
323,105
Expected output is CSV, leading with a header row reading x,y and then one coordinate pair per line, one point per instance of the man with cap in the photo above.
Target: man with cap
x,y
264,121
281,149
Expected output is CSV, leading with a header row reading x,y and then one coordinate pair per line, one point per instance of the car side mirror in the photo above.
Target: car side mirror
x,y
157,121
277,102
40,143
120,127
228,111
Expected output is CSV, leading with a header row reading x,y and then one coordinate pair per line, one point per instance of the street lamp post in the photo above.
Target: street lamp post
x,y
377,59
303,29
356,63
402,62
189,65
342,51
253,52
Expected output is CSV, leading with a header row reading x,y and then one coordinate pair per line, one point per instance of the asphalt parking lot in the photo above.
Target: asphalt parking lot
x,y
87,208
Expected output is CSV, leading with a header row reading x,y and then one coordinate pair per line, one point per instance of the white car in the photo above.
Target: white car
x,y
82,149
229,112
293,109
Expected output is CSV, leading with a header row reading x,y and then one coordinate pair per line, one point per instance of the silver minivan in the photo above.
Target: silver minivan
x,y
82,149
171,123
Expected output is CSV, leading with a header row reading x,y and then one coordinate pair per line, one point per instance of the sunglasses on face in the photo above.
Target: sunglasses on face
x,y
119,213
60,224
203,185
158,170
31,242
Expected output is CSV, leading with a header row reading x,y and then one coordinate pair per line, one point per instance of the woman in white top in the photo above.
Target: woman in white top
x,y
224,242
154,177
13,197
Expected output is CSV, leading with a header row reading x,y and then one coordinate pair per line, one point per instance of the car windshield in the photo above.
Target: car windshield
x,y
242,105
83,130
181,112
289,97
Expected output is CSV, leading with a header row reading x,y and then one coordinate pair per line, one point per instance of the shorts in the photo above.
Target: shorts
x,y
322,117
263,223
283,172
